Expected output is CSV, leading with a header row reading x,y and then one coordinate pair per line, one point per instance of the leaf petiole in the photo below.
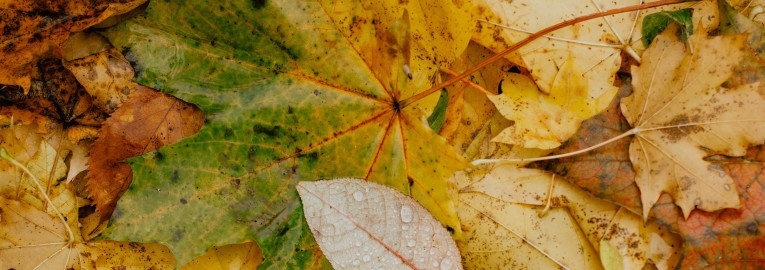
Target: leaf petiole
x,y
580,151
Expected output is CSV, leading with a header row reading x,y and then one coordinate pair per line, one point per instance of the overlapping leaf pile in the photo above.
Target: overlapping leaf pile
x,y
292,91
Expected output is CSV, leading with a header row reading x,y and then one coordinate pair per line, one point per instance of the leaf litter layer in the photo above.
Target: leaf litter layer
x,y
293,91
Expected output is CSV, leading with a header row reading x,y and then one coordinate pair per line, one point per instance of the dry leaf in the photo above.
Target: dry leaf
x,y
546,120
244,256
729,238
107,76
364,225
681,115
504,207
145,122
752,9
32,29
32,239
595,44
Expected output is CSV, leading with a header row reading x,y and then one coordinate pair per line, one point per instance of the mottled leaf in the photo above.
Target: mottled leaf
x,y
681,115
293,90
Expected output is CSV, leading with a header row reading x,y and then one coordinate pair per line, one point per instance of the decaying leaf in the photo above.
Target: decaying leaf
x,y
32,239
595,44
107,76
546,120
33,29
55,94
293,90
364,225
752,9
244,256
729,238
605,172
146,121
752,68
681,115
510,229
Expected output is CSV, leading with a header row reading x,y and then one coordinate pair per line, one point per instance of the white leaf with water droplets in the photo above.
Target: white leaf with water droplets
x,y
394,230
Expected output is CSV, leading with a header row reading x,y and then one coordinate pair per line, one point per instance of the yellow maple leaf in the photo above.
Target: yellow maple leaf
x,y
546,120
681,115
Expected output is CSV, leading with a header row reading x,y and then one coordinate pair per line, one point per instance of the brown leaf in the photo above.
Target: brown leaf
x,y
730,238
146,121
33,29
56,94
605,172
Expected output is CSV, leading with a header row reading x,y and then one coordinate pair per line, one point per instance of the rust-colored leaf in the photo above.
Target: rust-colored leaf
x,y
605,172
145,122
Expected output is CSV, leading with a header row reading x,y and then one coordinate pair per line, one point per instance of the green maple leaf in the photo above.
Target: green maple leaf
x,y
293,90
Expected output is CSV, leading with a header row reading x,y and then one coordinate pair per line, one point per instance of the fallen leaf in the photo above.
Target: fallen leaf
x,y
146,121
546,120
681,115
595,44
245,256
278,113
729,238
752,9
107,76
56,94
33,29
510,228
605,172
752,68
363,225
477,116
655,23
32,239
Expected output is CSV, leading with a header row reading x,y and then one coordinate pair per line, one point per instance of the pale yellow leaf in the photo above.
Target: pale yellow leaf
x,y
363,225
681,115
502,207
542,120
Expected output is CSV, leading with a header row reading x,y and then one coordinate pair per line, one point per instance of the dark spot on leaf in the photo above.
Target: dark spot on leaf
x,y
450,229
184,201
178,235
175,176
266,130
229,132
411,181
752,228
283,231
290,110
258,4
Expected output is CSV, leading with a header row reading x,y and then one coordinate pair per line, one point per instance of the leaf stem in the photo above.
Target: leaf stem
x,y
474,86
530,38
580,151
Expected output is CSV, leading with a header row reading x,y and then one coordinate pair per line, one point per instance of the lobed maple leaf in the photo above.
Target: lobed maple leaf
x,y
680,115
295,90
546,120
